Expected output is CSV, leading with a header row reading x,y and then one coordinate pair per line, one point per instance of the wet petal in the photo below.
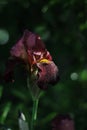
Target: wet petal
x,y
48,74
63,122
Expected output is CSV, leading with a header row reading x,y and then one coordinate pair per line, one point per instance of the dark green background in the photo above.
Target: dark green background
x,y
62,24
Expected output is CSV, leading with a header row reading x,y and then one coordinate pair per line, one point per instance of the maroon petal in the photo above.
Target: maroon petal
x,y
8,76
33,42
63,122
29,45
48,74
47,55
19,51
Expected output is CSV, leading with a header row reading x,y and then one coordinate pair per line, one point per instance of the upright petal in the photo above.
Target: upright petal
x,y
30,46
35,47
33,42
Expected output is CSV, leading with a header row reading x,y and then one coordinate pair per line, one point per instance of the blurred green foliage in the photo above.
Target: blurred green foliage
x,y
62,24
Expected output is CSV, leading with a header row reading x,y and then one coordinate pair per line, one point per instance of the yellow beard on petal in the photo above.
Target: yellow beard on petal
x,y
45,61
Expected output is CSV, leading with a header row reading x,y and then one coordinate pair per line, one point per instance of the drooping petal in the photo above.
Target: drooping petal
x,y
63,122
48,74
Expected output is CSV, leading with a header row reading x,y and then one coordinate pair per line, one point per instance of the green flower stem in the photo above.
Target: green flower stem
x,y
34,112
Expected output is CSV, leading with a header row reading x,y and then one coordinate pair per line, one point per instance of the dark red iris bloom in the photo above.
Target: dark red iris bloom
x,y
31,51
63,122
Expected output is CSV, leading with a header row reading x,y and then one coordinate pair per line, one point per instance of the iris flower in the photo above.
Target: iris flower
x,y
63,122
31,51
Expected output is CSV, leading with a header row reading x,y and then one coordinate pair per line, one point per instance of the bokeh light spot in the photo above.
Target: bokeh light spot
x,y
4,36
74,76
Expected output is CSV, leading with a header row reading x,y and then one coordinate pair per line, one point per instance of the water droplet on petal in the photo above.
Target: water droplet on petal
x,y
39,38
